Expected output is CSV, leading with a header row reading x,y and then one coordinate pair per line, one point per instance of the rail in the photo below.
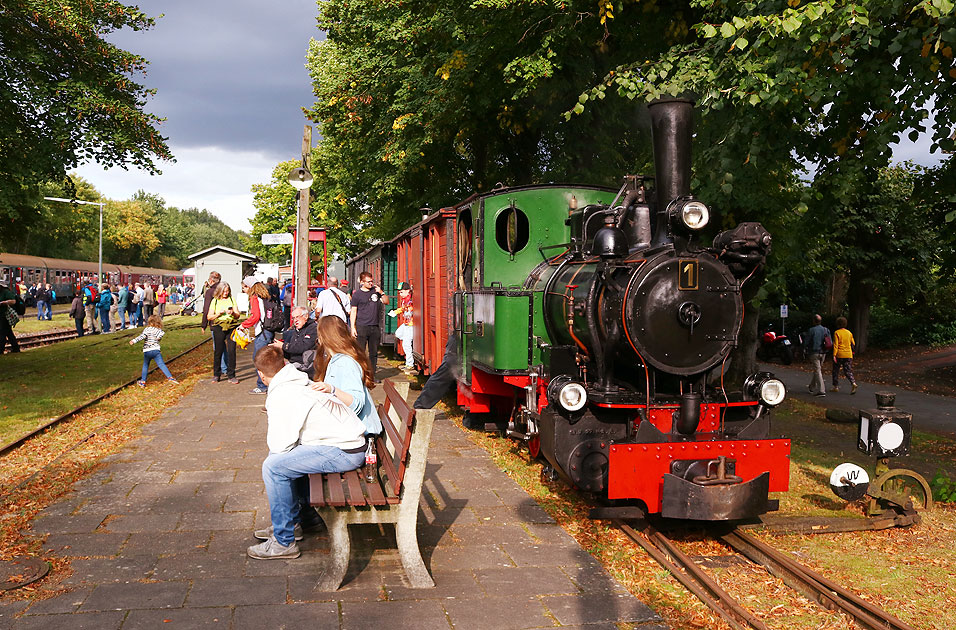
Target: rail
x,y
812,585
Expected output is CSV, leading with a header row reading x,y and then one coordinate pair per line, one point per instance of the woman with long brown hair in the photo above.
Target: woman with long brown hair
x,y
343,370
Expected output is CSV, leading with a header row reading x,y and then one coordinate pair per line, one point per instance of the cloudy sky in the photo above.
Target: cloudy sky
x,y
231,83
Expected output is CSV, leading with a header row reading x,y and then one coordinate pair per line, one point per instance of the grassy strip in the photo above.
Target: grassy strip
x,y
41,384
907,571
128,410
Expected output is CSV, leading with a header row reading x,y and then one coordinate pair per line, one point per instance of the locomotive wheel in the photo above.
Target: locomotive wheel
x,y
534,447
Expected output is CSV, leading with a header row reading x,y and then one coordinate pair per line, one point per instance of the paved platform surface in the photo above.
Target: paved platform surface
x,y
157,539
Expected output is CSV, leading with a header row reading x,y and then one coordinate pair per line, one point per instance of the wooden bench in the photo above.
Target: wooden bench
x,y
344,499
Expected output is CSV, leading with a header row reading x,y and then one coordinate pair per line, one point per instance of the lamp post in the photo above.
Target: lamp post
x,y
99,276
301,179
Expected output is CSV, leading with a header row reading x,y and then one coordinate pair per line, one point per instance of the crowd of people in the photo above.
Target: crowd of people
x,y
107,308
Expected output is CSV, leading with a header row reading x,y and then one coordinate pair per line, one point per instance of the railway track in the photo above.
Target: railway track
x,y
13,445
42,339
809,583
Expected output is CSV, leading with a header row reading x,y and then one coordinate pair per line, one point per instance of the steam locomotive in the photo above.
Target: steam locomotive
x,y
597,326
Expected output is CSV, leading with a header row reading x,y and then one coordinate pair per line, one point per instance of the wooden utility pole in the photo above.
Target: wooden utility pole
x,y
302,270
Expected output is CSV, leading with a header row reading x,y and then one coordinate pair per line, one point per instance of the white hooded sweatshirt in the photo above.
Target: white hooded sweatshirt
x,y
299,415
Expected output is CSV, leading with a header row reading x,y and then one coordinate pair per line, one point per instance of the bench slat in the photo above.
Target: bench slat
x,y
316,491
373,491
336,492
388,467
390,431
356,496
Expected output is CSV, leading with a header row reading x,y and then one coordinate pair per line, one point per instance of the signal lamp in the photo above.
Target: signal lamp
x,y
764,387
885,431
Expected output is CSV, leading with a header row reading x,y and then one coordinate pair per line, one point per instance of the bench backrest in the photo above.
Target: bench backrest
x,y
398,420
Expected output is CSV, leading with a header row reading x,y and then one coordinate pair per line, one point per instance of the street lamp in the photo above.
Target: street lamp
x,y
99,276
301,179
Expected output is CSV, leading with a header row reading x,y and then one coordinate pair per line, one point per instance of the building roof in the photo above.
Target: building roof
x,y
223,248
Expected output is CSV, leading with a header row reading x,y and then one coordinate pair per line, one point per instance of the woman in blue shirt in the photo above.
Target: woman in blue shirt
x,y
343,370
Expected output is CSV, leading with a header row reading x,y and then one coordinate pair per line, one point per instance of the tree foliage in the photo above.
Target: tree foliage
x,y
138,231
67,95
423,103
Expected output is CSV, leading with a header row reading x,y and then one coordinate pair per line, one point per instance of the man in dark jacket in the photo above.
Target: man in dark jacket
x,y
298,342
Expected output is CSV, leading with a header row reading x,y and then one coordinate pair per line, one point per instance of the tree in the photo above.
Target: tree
x,y
67,95
828,83
426,103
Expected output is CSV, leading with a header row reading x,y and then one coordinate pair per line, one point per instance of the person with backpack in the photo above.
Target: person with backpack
x,y
122,306
103,304
90,298
816,343
8,318
49,305
264,319
285,296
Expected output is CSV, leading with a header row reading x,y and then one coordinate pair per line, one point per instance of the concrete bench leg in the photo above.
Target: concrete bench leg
x,y
406,535
339,550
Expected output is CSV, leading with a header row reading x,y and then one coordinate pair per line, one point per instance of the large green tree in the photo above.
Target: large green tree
x,y
423,102
828,83
67,95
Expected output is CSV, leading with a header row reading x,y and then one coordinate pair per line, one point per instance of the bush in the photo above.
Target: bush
x,y
944,489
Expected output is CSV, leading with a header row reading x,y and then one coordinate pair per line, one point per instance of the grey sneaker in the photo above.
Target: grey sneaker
x,y
273,550
259,390
266,534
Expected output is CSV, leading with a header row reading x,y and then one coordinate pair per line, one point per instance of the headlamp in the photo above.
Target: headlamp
x,y
763,386
567,393
695,215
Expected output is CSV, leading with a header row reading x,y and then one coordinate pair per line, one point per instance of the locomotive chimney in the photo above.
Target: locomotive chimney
x,y
671,129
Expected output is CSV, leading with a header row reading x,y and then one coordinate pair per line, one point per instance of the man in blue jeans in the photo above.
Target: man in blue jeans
x,y
308,432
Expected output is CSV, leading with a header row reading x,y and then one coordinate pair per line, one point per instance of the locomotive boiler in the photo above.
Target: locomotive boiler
x,y
609,357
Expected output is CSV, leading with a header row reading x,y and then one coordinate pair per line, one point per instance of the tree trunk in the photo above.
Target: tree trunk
x,y
860,297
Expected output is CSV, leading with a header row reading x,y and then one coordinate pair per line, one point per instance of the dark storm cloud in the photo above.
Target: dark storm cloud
x,y
228,74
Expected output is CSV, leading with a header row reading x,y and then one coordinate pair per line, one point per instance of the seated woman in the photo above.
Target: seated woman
x,y
343,370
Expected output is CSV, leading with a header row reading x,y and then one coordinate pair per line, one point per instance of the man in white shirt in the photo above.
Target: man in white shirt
x,y
309,432
333,301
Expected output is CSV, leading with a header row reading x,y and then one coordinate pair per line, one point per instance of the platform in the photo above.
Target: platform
x,y
157,539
